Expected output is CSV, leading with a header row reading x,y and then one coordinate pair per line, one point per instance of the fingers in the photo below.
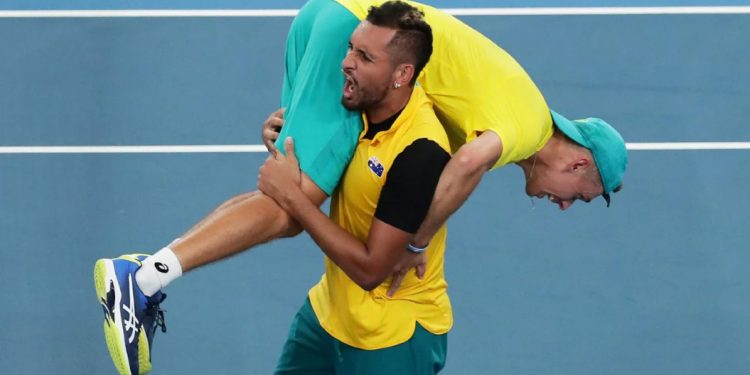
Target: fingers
x,y
398,277
421,266
416,261
271,128
269,138
420,270
271,147
275,121
279,113
289,147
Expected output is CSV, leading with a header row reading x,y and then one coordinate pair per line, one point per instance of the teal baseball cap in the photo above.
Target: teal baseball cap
x,y
605,144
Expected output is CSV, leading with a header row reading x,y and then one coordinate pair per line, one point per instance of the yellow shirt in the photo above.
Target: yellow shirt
x,y
476,86
372,320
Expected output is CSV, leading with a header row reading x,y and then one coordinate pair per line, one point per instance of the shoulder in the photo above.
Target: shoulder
x,y
425,123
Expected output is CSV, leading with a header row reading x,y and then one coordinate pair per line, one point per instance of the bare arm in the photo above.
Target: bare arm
x,y
458,180
367,264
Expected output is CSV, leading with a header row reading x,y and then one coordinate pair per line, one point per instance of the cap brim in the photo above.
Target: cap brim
x,y
569,129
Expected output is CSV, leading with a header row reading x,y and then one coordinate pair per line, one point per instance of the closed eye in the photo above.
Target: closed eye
x,y
360,52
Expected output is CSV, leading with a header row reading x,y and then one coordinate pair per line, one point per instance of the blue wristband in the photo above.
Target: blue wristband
x,y
417,250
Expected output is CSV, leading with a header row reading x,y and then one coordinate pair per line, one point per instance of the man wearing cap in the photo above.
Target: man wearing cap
x,y
493,114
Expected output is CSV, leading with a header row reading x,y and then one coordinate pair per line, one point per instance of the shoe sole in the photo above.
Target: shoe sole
x,y
104,275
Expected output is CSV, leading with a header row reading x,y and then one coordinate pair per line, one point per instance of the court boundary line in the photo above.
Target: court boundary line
x,y
537,11
197,149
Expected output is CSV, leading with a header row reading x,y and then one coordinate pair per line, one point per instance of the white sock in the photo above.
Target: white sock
x,y
157,271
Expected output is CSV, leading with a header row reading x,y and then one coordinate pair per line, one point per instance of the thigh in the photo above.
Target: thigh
x,y
423,354
325,133
309,350
297,40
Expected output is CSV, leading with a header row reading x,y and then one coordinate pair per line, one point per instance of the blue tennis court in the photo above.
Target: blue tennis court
x,y
656,284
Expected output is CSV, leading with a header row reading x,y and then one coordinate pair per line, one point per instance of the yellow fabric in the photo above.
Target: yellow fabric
x,y
476,86
372,320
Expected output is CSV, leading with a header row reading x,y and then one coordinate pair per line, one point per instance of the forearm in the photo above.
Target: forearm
x,y
455,186
460,177
348,252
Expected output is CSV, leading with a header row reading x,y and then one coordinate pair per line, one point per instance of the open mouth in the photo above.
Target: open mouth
x,y
349,84
552,198
556,200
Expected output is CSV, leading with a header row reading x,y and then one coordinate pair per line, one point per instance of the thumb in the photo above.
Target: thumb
x,y
289,147
395,283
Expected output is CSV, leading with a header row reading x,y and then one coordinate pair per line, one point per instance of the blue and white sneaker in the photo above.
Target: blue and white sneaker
x,y
130,318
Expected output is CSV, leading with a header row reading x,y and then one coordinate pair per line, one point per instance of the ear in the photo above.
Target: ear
x,y
580,165
403,74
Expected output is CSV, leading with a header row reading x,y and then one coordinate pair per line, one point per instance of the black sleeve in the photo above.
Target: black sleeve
x,y
407,194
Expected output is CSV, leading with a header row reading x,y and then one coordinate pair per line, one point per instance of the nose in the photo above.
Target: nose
x,y
348,64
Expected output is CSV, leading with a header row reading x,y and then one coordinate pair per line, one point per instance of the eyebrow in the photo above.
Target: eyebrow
x,y
361,51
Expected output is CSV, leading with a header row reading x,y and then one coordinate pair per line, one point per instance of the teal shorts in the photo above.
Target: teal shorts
x,y
325,133
310,350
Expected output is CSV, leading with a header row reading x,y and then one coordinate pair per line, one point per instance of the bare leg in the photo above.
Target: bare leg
x,y
238,224
229,203
241,222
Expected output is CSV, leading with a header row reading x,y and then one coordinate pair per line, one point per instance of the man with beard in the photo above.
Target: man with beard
x,y
493,113
349,324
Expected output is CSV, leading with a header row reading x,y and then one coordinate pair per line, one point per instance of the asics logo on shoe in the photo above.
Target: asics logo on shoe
x,y
161,267
108,304
131,324
107,313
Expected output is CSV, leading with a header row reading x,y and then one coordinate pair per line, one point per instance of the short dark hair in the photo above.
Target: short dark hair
x,y
413,39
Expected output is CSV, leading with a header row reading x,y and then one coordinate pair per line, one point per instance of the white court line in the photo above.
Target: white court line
x,y
176,149
557,11
195,149
597,11
683,146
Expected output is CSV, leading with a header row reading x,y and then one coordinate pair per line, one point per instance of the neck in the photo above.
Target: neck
x,y
395,100
545,157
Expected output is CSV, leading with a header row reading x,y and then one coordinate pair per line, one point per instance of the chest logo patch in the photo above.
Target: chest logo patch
x,y
375,166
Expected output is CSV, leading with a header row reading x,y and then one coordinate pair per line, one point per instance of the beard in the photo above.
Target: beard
x,y
362,100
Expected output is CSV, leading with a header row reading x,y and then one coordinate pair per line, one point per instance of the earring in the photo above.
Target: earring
x,y
396,85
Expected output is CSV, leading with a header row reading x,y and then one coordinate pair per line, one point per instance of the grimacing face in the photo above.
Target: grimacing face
x,y
564,186
367,67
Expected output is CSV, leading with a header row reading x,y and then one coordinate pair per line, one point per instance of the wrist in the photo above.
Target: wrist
x,y
294,200
416,249
420,242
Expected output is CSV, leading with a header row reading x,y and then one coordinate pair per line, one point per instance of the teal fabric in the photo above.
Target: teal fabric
x,y
310,350
324,132
605,143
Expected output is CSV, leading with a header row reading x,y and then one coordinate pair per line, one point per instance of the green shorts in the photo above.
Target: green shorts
x,y
310,350
325,133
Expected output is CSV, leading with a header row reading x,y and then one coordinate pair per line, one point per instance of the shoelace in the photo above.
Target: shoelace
x,y
158,314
